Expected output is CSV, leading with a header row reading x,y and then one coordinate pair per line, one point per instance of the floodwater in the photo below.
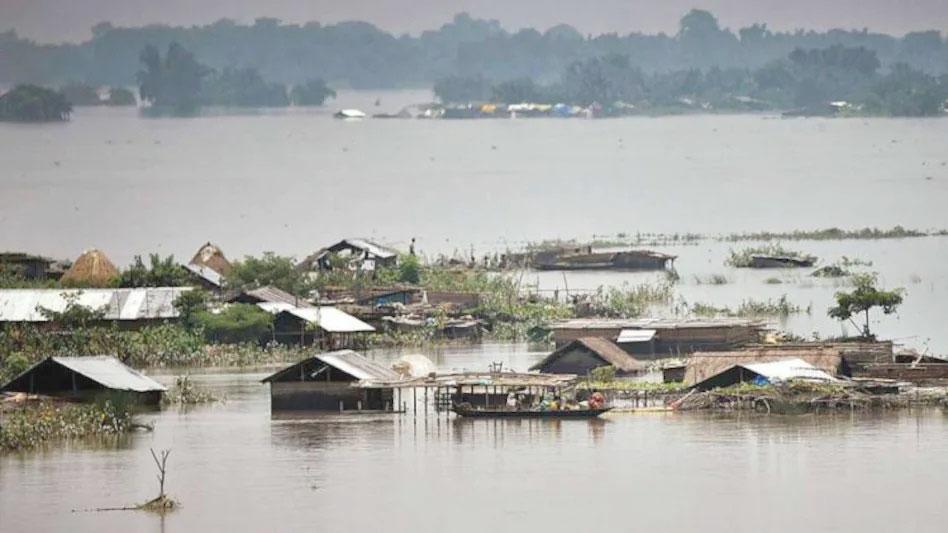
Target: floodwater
x,y
292,180
234,467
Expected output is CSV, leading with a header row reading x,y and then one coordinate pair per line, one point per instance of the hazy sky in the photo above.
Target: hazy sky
x,y
70,20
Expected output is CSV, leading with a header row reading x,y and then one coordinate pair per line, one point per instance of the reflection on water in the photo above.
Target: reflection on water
x,y
235,467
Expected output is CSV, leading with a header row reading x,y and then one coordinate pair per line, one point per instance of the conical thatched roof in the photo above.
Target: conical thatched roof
x,y
91,268
212,257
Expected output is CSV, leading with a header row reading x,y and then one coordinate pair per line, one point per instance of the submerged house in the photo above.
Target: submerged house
x,y
654,338
781,261
704,365
356,254
774,372
585,354
84,378
590,260
127,307
328,382
327,327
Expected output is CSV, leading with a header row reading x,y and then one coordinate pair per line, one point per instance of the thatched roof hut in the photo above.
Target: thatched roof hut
x,y
92,268
703,365
212,257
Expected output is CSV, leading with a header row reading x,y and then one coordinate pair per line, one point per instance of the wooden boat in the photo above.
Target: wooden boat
x,y
470,412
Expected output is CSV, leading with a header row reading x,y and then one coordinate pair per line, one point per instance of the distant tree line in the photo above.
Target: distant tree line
x,y
179,82
810,81
360,55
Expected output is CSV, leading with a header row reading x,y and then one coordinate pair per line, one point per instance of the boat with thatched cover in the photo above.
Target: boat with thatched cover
x,y
91,269
469,411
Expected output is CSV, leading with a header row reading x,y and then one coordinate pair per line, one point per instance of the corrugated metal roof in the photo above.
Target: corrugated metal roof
x,y
206,273
347,361
273,294
374,249
788,369
105,370
357,366
331,320
23,305
636,335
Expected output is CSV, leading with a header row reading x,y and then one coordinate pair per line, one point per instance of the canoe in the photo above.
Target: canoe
x,y
470,412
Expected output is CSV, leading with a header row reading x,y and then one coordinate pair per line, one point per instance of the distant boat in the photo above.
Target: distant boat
x,y
350,114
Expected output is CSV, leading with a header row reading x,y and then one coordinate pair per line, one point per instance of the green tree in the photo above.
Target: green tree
x,y
409,269
314,92
462,89
30,103
271,269
242,87
189,304
80,94
173,81
862,298
159,272
74,315
235,323
517,91
120,96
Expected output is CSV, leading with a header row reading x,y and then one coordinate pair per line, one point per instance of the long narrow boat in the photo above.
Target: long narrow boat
x,y
471,412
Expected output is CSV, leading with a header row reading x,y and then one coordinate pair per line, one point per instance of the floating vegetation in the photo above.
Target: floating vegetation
x,y
780,308
186,393
625,301
31,426
830,271
831,234
773,281
853,261
713,279
745,258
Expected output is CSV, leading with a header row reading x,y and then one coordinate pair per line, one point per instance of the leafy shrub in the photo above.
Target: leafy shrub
x,y
235,323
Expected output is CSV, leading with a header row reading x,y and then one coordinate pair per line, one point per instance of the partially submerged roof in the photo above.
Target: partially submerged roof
x,y
656,323
23,257
329,319
147,303
348,361
703,365
603,348
781,371
627,336
104,370
477,379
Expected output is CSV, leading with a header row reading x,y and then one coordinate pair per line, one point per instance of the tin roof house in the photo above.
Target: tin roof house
x,y
357,254
328,382
585,354
84,378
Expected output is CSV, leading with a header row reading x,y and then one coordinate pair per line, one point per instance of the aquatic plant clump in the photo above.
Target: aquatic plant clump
x,y
745,258
750,308
31,426
186,393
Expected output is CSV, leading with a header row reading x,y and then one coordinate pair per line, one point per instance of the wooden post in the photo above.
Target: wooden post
x,y
75,386
426,402
341,406
414,401
359,405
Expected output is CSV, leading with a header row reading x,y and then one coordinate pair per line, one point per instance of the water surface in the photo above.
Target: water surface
x,y
235,467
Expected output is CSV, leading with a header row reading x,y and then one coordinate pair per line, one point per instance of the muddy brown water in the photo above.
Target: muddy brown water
x,y
235,467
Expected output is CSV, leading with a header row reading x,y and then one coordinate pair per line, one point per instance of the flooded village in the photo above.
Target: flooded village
x,y
389,266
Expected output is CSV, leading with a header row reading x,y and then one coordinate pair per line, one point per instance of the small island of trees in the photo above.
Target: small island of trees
x,y
179,83
31,103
